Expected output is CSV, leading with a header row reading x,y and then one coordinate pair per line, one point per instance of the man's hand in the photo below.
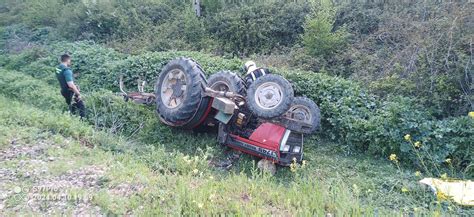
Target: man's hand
x,y
74,88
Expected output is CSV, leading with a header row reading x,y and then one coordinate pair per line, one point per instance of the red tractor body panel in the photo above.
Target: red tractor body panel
x,y
269,134
253,148
264,142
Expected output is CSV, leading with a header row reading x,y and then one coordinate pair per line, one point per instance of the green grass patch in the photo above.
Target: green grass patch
x,y
156,180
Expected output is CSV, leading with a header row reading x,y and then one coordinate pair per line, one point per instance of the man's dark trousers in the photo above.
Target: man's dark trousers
x,y
77,105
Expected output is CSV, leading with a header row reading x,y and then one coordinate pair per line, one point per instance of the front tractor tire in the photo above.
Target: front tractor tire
x,y
303,116
270,96
179,93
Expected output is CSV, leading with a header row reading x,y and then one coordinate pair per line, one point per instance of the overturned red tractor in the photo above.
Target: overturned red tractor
x,y
259,116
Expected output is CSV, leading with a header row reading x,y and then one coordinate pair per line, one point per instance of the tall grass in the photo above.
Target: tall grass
x,y
183,184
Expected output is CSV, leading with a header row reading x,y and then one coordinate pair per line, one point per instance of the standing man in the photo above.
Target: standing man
x,y
69,90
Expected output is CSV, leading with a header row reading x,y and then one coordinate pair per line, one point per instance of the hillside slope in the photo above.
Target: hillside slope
x,y
123,173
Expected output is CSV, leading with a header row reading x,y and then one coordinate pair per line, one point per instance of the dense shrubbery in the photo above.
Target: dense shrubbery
x,y
100,67
351,115
354,117
319,38
258,28
17,85
147,66
237,28
14,38
426,46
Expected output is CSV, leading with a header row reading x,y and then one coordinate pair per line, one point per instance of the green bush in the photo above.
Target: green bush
x,y
258,28
17,37
320,38
431,60
451,138
87,57
100,68
356,118
148,66
24,58
343,103
237,28
16,85
439,140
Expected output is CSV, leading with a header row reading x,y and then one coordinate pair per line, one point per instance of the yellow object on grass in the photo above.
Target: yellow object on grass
x,y
471,114
460,191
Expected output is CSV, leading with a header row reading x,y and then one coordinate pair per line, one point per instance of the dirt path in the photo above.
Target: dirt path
x,y
29,181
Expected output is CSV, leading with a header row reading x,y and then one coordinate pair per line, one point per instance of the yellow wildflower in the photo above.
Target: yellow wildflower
x,y
417,173
404,190
303,163
200,205
195,171
441,196
448,160
471,114
211,177
293,167
444,176
407,137
393,157
418,144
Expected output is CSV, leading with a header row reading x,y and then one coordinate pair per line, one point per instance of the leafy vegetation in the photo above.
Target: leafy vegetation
x,y
319,39
415,49
391,79
351,115
356,118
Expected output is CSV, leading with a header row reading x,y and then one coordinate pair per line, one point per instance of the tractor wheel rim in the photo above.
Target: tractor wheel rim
x,y
300,113
220,86
173,88
269,95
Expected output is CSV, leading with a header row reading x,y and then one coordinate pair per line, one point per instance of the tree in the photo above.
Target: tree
x,y
319,38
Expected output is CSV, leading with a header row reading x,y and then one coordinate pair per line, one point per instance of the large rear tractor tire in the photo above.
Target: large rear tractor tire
x,y
270,96
179,93
227,81
303,116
